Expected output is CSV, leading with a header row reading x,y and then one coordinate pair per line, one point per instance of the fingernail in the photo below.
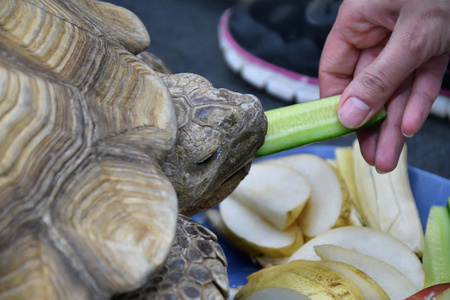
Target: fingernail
x,y
406,135
353,113
380,172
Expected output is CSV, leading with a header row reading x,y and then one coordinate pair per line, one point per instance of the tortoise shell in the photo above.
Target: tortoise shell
x,y
88,132
194,269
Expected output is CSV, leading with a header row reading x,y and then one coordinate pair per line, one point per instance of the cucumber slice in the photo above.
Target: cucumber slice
x,y
436,253
296,125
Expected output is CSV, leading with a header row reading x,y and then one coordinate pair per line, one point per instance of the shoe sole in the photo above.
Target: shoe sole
x,y
441,107
286,85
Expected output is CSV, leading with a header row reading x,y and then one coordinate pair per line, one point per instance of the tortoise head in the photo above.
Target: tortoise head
x,y
219,132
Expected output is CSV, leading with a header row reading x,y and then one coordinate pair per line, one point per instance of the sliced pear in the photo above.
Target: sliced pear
x,y
407,227
345,217
326,207
276,293
387,201
370,242
278,194
309,279
218,225
321,274
355,217
250,231
266,261
369,288
332,163
365,188
387,206
214,219
345,165
281,285
392,281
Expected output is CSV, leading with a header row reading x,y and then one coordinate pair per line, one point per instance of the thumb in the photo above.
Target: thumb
x,y
366,94
372,88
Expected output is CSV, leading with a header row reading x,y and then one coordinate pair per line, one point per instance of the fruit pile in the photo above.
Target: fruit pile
x,y
333,229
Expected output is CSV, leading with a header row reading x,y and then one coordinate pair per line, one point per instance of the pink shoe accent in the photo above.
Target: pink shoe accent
x,y
223,27
445,92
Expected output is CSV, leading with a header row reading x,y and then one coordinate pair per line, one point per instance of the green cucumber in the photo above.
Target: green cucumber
x,y
436,252
300,124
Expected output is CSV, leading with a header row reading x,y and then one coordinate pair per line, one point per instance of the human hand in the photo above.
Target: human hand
x,y
386,52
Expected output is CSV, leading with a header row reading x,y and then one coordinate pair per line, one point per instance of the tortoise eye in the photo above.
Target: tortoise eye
x,y
206,160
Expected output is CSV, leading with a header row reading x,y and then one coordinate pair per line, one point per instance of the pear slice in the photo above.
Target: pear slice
x,y
369,288
355,217
271,285
276,293
327,207
392,281
214,219
407,227
345,165
278,194
307,278
321,274
266,261
365,189
218,225
387,201
344,162
370,242
332,163
254,234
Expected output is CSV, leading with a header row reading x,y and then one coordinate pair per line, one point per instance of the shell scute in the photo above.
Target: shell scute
x,y
84,125
32,121
187,274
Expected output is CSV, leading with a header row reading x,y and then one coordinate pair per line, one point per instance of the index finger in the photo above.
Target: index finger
x,y
351,33
337,64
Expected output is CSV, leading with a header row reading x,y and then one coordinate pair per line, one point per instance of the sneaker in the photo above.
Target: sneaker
x,y
441,107
276,44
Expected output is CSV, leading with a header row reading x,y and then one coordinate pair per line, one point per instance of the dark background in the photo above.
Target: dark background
x,y
184,34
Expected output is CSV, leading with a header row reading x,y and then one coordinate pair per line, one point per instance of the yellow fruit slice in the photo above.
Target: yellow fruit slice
x,y
310,279
370,242
393,282
369,288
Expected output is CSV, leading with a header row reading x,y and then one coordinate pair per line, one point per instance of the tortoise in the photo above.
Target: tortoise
x,y
100,152
194,269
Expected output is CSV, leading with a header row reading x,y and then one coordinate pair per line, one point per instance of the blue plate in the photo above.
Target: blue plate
x,y
428,189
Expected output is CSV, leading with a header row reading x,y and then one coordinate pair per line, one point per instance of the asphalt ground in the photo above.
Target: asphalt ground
x,y
184,34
